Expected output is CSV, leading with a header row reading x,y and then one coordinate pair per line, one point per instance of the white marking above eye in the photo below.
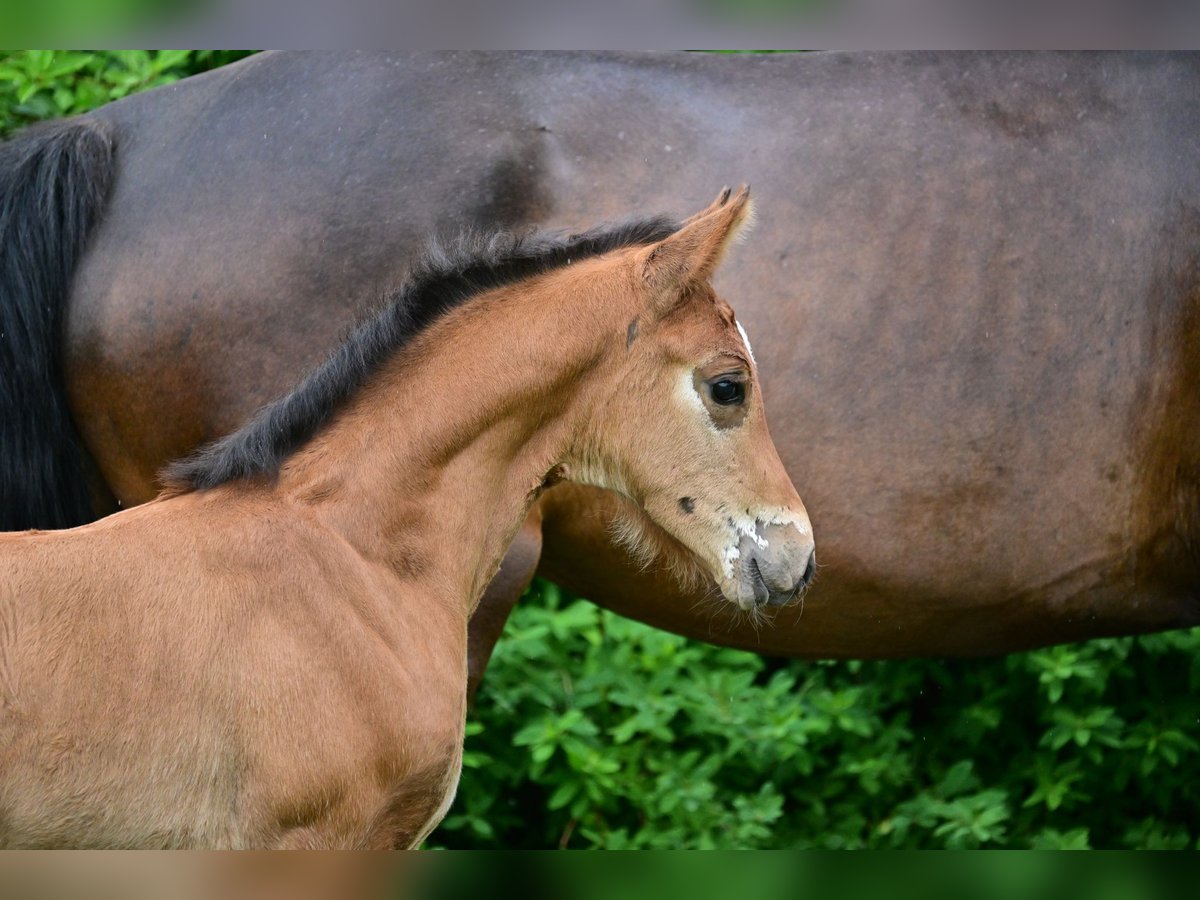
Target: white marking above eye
x,y
688,393
745,340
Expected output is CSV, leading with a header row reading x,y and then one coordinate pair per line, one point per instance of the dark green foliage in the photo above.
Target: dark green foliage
x,y
43,84
594,731
785,876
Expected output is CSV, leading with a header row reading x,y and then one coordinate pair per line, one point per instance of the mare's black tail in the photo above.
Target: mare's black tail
x,y
54,181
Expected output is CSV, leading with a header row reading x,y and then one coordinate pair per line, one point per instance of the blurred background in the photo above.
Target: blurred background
x,y
594,731
629,24
713,876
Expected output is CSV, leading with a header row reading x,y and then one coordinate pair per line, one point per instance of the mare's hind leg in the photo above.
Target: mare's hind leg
x,y
516,571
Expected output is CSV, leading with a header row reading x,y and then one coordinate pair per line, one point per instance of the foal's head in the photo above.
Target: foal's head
x,y
680,428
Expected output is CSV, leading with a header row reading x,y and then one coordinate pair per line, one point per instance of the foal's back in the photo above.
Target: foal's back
x,y
222,633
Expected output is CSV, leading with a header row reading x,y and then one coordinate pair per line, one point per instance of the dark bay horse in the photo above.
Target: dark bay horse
x,y
973,301
274,652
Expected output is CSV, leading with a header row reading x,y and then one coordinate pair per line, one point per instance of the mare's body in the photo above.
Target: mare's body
x,y
975,305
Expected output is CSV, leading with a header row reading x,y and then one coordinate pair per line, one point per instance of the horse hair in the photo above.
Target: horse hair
x,y
54,183
446,277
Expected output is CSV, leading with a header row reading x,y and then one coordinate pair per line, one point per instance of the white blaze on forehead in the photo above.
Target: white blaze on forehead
x,y
745,340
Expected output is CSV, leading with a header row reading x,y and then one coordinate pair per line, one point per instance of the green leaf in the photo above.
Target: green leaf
x,y
168,59
64,99
135,61
563,794
39,60
68,63
1052,839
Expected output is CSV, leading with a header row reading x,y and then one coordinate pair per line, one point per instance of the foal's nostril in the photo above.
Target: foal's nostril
x,y
810,570
758,584
777,565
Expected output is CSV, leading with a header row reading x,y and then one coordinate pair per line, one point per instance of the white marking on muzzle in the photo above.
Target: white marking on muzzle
x,y
781,515
732,554
742,525
748,525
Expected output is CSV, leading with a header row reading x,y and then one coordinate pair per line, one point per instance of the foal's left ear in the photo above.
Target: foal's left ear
x,y
692,254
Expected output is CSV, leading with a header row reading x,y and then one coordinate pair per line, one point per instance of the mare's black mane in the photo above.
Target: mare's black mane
x,y
445,278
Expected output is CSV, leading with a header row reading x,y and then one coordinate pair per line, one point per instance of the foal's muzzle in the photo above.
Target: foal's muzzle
x,y
777,567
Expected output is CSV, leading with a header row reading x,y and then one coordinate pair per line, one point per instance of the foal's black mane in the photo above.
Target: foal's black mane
x,y
445,278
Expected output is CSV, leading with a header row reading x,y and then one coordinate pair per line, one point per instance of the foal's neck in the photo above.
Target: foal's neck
x,y
433,465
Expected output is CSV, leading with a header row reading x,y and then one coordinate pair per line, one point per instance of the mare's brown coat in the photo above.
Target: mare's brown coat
x,y
975,304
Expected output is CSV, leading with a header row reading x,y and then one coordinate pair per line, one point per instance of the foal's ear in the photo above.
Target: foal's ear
x,y
692,254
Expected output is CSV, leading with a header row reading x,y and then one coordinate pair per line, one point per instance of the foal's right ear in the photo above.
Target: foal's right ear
x,y
691,254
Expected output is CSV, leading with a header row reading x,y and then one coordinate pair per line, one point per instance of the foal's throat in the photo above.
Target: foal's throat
x,y
434,464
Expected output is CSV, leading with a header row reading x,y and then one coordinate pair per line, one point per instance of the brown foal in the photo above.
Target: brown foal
x,y
273,653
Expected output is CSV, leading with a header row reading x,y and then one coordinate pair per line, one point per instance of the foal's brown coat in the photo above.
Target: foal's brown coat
x,y
283,664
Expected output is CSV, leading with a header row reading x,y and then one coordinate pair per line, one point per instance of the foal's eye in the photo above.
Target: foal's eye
x,y
727,392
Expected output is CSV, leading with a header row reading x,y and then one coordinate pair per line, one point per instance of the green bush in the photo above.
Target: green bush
x,y
44,84
594,731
